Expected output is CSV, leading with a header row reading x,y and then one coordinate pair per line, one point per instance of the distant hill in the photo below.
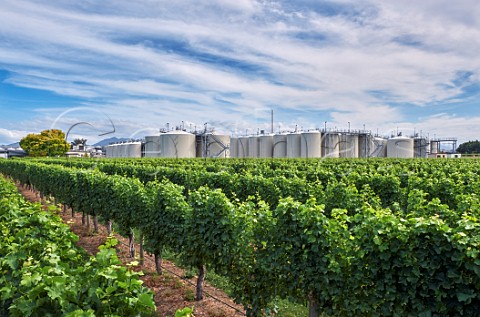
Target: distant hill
x,y
106,142
16,144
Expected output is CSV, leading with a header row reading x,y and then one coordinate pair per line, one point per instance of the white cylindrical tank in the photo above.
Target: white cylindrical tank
x,y
153,146
124,149
233,147
115,150
434,147
364,149
366,145
108,151
265,146
311,142
134,149
331,145
243,147
280,145
217,145
178,144
253,146
342,144
112,150
378,147
119,150
349,146
400,147
293,145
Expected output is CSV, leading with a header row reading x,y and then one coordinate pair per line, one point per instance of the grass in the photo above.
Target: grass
x,y
219,282
189,295
288,309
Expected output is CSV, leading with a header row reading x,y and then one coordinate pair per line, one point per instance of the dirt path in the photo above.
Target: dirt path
x,y
171,292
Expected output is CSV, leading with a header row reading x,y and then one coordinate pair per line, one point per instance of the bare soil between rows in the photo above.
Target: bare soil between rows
x,y
170,291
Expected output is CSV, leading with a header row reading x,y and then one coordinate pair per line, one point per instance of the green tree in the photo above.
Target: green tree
x,y
81,142
48,143
469,147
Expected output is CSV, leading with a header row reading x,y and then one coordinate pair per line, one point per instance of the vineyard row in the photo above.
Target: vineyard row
x,y
44,273
348,248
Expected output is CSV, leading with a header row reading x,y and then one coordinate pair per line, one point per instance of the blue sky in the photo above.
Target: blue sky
x,y
134,66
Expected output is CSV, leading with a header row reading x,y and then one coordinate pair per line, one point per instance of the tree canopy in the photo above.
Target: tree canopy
x,y
79,141
469,147
48,143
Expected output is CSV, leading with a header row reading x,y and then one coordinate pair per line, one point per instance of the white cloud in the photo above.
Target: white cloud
x,y
8,136
445,125
222,59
